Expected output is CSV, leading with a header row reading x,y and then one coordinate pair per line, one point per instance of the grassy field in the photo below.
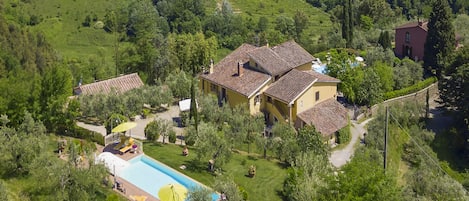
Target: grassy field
x,y
319,22
266,185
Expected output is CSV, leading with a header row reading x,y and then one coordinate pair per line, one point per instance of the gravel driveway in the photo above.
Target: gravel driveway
x,y
338,158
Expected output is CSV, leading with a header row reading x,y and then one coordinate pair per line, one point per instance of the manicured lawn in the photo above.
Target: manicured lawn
x,y
266,185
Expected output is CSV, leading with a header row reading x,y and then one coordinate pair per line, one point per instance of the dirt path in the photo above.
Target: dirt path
x,y
340,157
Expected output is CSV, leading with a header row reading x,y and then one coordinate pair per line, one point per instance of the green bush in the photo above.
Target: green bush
x,y
411,89
172,136
184,118
86,134
344,135
243,192
152,131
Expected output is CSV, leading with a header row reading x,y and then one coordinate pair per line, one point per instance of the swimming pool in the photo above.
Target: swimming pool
x,y
150,175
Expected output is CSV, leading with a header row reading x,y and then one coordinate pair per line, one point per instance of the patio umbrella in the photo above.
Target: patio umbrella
x,y
124,127
172,192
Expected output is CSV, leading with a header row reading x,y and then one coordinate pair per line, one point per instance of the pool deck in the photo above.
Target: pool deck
x,y
130,189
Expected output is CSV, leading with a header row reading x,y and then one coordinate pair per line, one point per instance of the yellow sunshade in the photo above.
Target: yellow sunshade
x,y
172,192
124,127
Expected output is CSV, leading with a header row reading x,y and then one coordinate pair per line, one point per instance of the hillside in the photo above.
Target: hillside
x,y
319,22
61,23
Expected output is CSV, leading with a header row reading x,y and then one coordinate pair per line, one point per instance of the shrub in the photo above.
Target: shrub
x,y
243,192
152,131
411,89
344,134
86,134
184,118
172,136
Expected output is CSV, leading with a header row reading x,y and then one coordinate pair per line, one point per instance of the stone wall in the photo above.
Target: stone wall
x,y
419,96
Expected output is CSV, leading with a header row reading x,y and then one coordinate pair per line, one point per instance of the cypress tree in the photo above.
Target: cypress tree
x,y
347,22
440,42
384,39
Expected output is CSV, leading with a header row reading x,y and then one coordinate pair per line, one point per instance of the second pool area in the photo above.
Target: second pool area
x,y
150,175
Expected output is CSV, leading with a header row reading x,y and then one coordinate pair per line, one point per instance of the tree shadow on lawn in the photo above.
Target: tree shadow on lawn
x,y
194,165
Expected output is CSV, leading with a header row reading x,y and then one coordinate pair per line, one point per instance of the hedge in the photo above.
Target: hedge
x,y
410,89
86,134
343,135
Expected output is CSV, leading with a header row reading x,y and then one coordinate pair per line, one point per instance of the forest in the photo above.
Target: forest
x,y
49,47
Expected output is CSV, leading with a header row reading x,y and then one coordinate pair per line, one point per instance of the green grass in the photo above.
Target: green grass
x,y
319,22
266,185
62,26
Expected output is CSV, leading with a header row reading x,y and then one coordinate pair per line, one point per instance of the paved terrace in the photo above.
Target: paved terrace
x,y
138,132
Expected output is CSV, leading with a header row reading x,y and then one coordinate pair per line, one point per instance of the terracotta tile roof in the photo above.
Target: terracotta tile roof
x,y
423,25
269,60
290,86
327,117
225,73
120,84
293,53
322,77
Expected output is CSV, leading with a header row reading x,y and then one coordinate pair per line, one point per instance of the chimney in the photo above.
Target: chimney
x,y
210,70
240,69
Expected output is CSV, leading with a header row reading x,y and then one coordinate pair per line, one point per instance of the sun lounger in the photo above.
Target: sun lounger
x,y
128,146
121,143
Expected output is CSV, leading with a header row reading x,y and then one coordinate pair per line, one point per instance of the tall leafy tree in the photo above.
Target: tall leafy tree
x,y
301,22
454,88
364,179
308,178
56,87
286,147
212,145
440,42
370,91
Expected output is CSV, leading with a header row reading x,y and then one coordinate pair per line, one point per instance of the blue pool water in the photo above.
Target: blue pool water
x,y
150,175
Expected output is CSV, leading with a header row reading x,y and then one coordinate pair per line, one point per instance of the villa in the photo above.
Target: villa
x,y
278,81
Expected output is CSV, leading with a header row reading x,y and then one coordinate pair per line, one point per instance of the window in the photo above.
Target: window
x,y
317,95
269,99
407,37
257,99
213,88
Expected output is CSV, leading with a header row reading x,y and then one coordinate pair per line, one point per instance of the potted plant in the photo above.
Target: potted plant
x,y
252,171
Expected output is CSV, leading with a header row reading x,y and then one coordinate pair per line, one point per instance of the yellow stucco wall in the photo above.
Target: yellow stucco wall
x,y
235,98
326,90
204,86
304,67
308,99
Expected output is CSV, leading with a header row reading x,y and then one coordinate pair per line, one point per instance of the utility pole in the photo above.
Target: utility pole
x,y
386,137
